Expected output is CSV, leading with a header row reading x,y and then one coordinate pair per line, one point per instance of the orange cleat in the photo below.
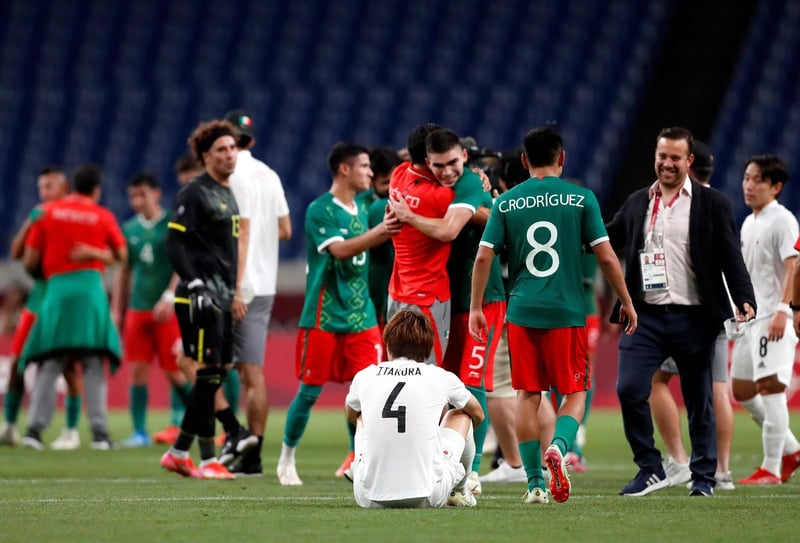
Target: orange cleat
x,y
346,464
559,478
790,463
761,477
181,466
212,469
168,435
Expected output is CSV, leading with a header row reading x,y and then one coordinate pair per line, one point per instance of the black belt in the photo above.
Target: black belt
x,y
666,308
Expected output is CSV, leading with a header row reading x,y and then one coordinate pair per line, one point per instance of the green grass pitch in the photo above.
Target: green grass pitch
x,y
123,496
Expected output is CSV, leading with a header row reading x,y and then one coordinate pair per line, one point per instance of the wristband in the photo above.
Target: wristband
x,y
786,308
168,296
793,307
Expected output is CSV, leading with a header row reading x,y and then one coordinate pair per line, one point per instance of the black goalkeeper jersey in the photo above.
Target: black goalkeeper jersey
x,y
203,236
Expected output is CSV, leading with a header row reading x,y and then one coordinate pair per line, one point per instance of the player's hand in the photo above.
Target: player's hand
x,y
391,223
748,315
400,208
478,328
487,183
81,252
238,308
777,325
163,310
628,313
203,306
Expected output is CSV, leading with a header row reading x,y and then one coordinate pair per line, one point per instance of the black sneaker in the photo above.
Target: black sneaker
x,y
645,482
33,440
248,469
102,442
236,446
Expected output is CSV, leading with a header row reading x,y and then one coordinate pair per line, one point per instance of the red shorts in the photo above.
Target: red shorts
x,y
322,357
592,333
26,320
144,339
471,360
545,358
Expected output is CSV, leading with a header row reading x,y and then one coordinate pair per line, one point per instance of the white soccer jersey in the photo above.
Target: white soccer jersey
x,y
258,190
767,240
401,403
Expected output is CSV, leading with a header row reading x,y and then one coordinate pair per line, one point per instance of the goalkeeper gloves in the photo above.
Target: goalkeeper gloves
x,y
203,306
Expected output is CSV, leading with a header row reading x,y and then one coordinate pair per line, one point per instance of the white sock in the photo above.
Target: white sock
x,y
773,433
755,406
287,454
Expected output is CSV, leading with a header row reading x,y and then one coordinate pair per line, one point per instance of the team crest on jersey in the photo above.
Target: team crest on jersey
x,y
181,209
223,206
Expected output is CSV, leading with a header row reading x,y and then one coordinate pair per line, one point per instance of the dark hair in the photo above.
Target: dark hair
x,y
677,133
409,334
383,160
416,142
206,134
86,179
542,146
51,169
510,168
144,178
772,168
441,141
186,162
344,151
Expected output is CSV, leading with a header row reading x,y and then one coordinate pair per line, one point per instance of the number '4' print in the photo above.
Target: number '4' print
x,y
400,412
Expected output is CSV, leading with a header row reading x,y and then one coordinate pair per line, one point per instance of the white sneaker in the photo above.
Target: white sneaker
x,y
724,481
677,474
68,440
9,435
474,483
462,498
287,474
505,474
536,496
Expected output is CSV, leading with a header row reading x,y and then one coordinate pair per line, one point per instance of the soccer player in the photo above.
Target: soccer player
x,y
203,248
763,357
68,246
52,183
144,298
338,332
265,219
406,457
544,223
433,213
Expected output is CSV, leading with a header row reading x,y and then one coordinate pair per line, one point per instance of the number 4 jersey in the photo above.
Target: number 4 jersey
x,y
401,402
337,291
147,247
543,225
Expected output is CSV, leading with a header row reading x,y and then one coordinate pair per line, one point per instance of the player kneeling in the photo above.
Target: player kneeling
x,y
407,454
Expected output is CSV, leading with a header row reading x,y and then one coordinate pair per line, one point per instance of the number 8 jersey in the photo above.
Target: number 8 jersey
x,y
337,291
543,225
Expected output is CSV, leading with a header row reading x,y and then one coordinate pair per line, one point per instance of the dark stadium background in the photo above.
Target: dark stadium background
x,y
123,83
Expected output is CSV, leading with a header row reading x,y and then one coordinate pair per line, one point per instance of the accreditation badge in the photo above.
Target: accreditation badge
x,y
654,270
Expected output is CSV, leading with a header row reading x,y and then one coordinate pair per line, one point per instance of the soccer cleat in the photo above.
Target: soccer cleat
x,y
287,474
576,462
701,488
9,435
537,495
68,440
645,482
235,447
559,485
505,473
33,440
101,442
474,483
790,463
461,498
724,481
345,464
761,477
168,435
181,466
212,469
137,439
248,470
677,473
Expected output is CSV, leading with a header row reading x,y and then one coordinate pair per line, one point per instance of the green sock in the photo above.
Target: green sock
x,y
299,412
177,402
531,453
139,408
233,390
351,433
13,400
566,429
587,406
72,406
483,428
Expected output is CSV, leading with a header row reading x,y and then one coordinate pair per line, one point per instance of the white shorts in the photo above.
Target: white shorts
x,y
447,472
754,357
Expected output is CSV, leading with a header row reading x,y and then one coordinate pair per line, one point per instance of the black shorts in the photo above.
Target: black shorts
x,y
210,344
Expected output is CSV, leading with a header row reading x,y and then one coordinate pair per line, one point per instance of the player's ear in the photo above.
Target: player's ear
x,y
562,157
524,159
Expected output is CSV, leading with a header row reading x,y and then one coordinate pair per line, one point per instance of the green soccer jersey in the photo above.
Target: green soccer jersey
x,y
543,224
381,259
148,259
462,259
337,293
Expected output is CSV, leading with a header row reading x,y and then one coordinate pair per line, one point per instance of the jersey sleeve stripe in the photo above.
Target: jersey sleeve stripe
x,y
465,206
176,226
487,244
322,246
598,241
